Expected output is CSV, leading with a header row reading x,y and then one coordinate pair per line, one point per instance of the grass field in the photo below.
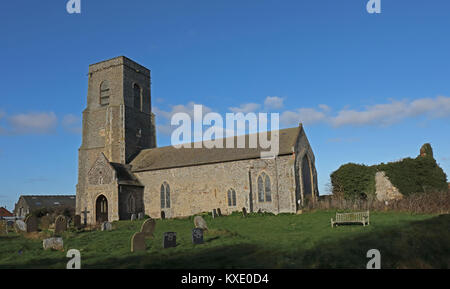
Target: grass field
x,y
258,241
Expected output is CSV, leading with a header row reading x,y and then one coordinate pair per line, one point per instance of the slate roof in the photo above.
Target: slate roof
x,y
5,213
35,202
124,175
171,157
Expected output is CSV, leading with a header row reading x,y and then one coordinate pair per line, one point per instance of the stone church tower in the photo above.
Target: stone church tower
x,y
117,124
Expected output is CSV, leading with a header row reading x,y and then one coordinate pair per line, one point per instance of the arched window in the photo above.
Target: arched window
x,y
104,93
264,188
131,204
231,198
136,96
165,195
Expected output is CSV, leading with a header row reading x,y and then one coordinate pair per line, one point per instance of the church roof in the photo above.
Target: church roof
x,y
124,175
35,202
171,157
5,213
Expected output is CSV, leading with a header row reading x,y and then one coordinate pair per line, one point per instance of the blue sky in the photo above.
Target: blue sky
x,y
369,88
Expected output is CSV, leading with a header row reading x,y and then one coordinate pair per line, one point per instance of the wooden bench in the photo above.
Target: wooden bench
x,y
347,218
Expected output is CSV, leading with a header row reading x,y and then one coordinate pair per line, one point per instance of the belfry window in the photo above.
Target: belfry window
x,y
137,97
165,195
104,93
264,188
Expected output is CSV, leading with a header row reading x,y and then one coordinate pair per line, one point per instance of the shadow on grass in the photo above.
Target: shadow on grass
x,y
416,244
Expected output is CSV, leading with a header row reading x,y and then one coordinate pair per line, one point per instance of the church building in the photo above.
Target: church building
x,y
121,171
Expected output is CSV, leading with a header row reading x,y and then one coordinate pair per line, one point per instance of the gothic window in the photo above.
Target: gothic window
x,y
165,195
137,96
104,93
264,188
131,204
231,198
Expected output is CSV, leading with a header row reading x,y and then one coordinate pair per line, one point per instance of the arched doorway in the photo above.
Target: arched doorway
x,y
101,209
306,178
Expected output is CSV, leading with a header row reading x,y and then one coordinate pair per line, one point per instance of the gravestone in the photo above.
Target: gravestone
x,y
60,224
214,213
138,242
53,243
133,217
197,236
44,222
106,226
199,222
32,223
244,212
77,222
85,212
148,227
169,240
163,215
3,228
219,212
20,226
140,216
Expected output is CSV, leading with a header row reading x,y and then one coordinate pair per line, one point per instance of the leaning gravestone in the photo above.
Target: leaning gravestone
x,y
133,217
244,212
53,243
214,213
32,223
148,227
60,224
138,242
219,212
44,222
197,236
169,240
77,222
199,222
106,226
20,226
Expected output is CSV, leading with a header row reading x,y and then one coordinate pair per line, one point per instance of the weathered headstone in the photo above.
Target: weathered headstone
x,y
32,223
106,226
169,240
148,227
85,212
138,242
133,217
244,212
77,222
197,236
163,215
199,222
60,224
3,228
214,213
44,222
53,243
140,216
20,226
219,212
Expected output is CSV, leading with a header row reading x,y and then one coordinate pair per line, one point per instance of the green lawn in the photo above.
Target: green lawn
x,y
259,241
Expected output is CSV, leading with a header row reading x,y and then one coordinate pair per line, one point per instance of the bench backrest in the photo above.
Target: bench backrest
x,y
352,217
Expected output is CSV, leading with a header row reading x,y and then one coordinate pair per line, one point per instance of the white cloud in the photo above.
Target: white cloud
x,y
34,123
304,115
273,102
72,123
246,108
393,112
